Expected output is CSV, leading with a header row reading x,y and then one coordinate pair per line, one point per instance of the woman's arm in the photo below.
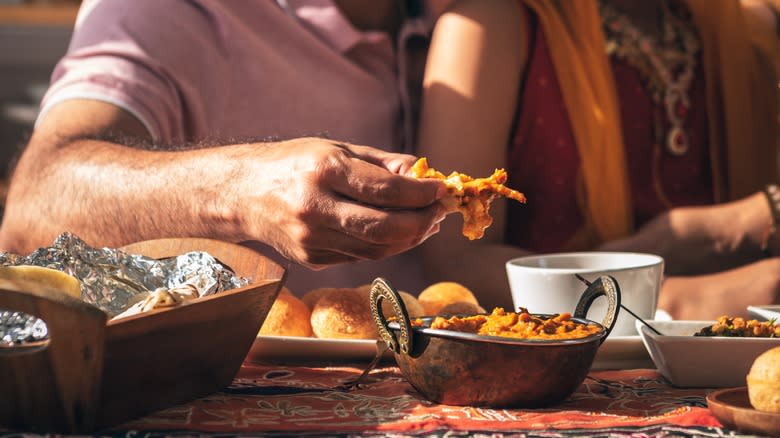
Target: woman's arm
x,y
713,258
707,239
724,293
472,77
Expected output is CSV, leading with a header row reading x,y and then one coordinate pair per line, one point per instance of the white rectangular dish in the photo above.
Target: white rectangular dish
x,y
765,313
291,349
701,361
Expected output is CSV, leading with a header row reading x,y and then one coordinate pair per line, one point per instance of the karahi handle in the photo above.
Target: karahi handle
x,y
605,286
382,290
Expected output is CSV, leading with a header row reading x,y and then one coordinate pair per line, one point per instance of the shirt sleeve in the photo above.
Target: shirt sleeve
x,y
146,57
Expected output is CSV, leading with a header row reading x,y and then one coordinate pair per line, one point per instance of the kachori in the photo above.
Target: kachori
x,y
311,297
763,381
289,316
343,314
460,308
438,295
413,306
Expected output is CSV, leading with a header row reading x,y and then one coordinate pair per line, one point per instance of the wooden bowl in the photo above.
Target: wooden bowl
x,y
92,374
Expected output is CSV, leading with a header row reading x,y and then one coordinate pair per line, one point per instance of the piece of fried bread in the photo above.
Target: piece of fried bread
x,y
763,381
470,196
437,296
289,316
343,313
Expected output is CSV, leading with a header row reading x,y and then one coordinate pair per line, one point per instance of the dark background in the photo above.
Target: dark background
x,y
33,35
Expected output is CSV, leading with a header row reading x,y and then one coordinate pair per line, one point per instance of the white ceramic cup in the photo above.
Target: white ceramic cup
x,y
546,283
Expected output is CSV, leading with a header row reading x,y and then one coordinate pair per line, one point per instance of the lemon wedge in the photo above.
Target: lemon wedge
x,y
32,276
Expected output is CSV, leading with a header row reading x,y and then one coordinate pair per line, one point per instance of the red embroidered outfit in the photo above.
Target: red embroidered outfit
x,y
544,161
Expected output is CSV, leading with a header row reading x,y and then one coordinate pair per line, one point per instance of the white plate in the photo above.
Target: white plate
x,y
297,349
617,352
765,312
701,361
622,352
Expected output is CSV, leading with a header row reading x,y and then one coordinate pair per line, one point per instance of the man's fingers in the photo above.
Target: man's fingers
x,y
353,231
394,162
373,185
352,203
383,187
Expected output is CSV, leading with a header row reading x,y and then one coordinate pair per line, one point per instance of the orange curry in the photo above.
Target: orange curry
x,y
521,325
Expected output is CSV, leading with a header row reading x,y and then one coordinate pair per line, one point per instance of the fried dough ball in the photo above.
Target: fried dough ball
x,y
461,308
763,381
311,297
364,288
289,316
413,306
436,296
343,314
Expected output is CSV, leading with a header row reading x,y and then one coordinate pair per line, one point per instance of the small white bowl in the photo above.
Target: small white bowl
x,y
763,313
701,361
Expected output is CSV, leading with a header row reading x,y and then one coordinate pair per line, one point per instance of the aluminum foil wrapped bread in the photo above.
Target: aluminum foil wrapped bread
x,y
118,283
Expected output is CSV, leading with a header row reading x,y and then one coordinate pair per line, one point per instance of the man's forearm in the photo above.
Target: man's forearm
x,y
111,195
315,201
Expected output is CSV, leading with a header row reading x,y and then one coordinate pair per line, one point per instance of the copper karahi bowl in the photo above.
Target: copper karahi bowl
x,y
467,369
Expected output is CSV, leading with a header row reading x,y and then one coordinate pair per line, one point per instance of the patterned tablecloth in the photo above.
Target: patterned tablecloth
x,y
301,400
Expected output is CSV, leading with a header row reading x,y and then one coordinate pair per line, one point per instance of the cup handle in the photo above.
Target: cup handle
x,y
382,290
606,286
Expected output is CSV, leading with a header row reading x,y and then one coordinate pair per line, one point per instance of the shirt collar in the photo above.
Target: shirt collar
x,y
325,19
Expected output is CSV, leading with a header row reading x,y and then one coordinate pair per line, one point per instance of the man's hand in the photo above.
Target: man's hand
x,y
319,202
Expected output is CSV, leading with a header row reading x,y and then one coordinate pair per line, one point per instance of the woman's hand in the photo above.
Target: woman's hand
x,y
706,297
699,240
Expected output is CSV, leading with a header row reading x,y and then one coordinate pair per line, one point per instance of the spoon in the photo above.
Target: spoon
x,y
587,283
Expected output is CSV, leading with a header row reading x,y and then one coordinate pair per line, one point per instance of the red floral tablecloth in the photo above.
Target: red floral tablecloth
x,y
299,400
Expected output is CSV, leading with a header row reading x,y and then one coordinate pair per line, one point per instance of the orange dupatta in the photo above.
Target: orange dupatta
x,y
741,104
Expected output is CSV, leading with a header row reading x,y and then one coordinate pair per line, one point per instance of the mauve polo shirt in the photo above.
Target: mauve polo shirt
x,y
200,70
